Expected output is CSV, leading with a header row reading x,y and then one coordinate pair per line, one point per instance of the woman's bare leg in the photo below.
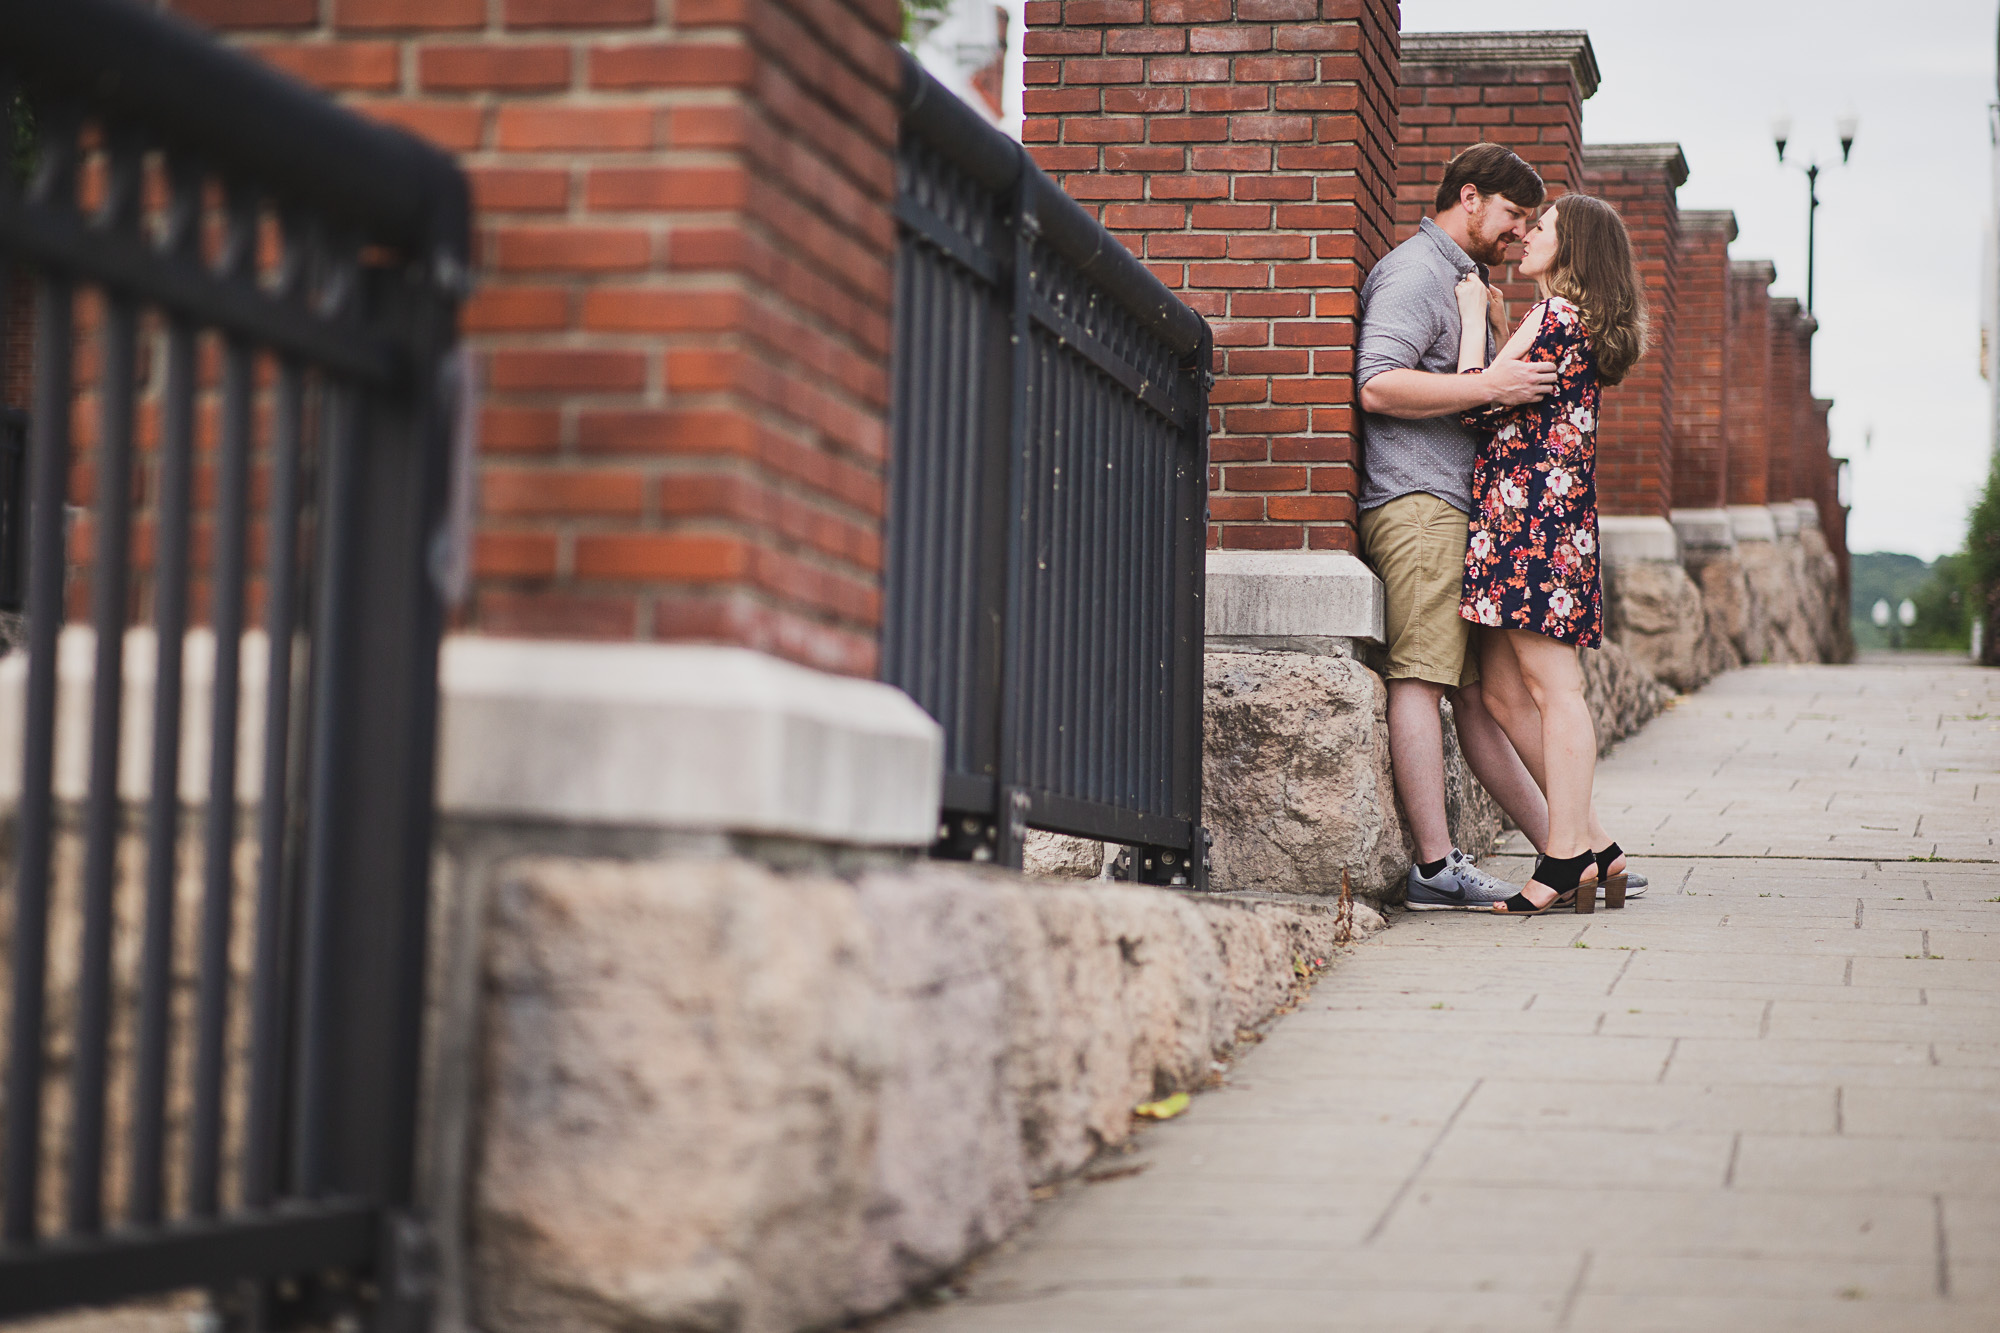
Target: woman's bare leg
x,y
1512,704
1554,681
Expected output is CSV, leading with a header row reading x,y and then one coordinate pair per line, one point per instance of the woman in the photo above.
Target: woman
x,y
1531,579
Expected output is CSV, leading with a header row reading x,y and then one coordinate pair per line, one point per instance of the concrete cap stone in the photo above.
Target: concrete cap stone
x,y
1569,47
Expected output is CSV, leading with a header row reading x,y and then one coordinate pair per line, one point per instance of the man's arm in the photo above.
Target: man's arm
x,y
1400,319
1414,394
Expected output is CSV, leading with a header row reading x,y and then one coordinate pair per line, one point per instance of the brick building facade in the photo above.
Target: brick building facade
x,y
685,237
1246,152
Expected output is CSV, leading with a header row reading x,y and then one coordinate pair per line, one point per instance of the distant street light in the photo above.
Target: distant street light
x,y
1907,613
1781,134
1880,615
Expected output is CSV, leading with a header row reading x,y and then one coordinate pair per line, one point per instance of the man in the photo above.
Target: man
x,y
1416,496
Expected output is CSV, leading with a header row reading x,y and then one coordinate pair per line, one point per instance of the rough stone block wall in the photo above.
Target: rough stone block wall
x,y
1521,89
1635,439
1748,416
1702,353
1245,149
685,247
1791,395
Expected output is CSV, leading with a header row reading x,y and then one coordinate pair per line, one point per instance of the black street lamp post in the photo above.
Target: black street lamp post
x,y
1781,131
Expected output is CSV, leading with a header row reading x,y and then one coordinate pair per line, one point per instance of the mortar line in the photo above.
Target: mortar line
x,y
1409,1182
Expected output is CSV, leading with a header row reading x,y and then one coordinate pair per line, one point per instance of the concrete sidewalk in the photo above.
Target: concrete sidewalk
x,y
1766,1096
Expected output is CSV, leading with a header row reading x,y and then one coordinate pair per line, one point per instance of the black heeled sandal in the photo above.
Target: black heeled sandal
x,y
1614,885
1564,875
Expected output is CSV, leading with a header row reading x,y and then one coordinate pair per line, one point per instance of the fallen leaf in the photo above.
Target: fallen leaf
x,y
1164,1109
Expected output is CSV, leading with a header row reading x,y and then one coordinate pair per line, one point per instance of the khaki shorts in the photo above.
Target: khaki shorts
x,y
1417,544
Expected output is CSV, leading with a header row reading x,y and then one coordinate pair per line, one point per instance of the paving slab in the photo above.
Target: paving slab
x,y
1764,1096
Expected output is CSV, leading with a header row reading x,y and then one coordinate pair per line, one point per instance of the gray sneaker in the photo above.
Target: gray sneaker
x,y
1460,887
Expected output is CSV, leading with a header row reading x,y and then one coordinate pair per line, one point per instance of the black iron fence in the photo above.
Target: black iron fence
x,y
249,296
1047,513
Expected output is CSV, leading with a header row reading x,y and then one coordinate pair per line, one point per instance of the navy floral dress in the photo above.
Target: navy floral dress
x,y
1531,553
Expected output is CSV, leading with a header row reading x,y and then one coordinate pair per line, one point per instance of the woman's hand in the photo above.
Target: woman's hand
x,y
1496,313
1473,300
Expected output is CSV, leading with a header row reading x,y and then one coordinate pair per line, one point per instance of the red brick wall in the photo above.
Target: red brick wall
x,y
1701,361
1748,417
1245,150
1521,89
686,243
1635,440
1791,368
16,358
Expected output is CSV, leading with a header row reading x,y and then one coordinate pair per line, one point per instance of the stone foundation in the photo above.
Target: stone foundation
x,y
1654,612
1296,784
720,1097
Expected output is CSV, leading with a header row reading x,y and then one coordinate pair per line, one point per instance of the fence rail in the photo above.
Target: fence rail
x,y
1048,498
251,297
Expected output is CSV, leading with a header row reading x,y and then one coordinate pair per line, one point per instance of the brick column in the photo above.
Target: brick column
x,y
1635,439
1246,152
1791,369
1522,89
1702,355
682,317
1747,416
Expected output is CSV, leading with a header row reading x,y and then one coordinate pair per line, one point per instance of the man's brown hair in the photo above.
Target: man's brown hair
x,y
1491,169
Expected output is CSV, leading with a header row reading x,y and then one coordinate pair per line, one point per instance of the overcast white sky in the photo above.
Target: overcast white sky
x,y
1901,228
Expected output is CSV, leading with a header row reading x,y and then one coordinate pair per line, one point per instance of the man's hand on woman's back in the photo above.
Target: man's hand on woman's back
x,y
1515,382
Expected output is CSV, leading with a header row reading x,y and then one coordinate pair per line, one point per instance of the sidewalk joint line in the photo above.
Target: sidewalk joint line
x,y
1943,1252
1622,969
1403,1190
1575,1290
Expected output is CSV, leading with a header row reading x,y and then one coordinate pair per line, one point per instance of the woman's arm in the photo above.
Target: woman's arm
x,y
1473,303
1524,336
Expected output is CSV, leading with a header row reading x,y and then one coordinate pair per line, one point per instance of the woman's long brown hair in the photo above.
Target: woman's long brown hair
x,y
1593,267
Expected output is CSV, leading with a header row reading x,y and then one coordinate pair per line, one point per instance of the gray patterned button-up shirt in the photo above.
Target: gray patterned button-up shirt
x,y
1409,321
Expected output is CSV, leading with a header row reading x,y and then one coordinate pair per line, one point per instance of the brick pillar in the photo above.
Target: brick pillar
x,y
1522,89
1747,417
685,243
1702,355
1635,440
17,348
1246,153
1791,368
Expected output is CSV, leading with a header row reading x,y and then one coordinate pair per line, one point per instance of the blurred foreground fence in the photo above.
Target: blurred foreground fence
x,y
245,309
1047,521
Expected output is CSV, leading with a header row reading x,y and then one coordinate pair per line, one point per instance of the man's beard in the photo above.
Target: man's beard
x,y
1482,247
